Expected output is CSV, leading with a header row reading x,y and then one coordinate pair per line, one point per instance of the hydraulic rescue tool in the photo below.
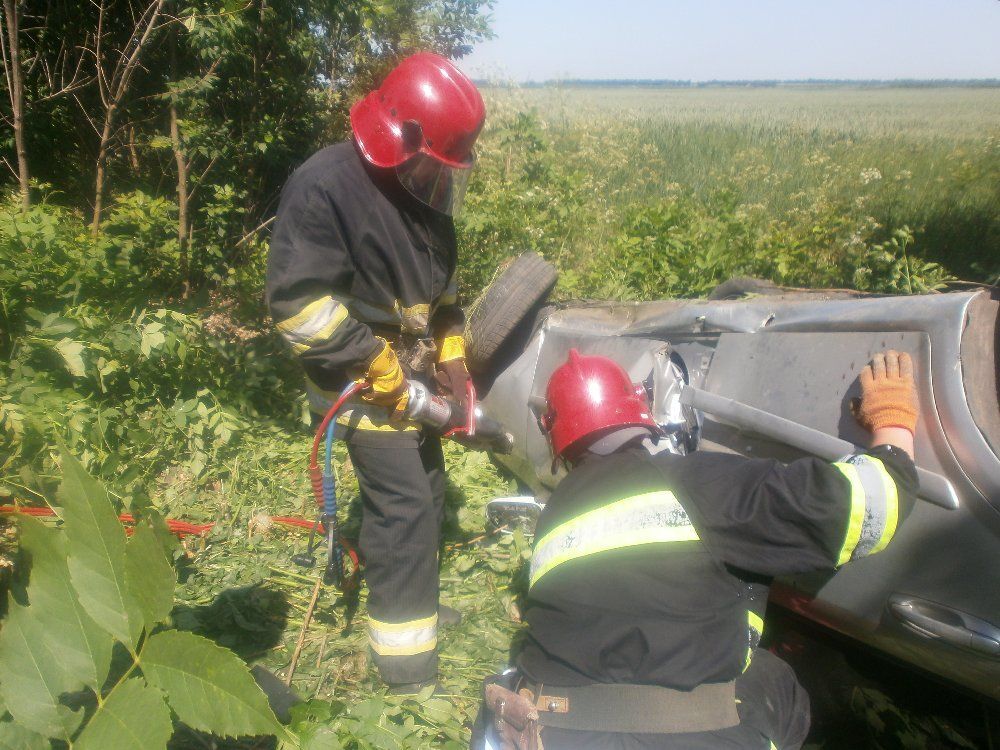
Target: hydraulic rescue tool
x,y
440,415
451,420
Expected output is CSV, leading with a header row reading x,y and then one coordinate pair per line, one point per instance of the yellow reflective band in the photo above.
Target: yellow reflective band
x,y
857,517
874,507
355,415
313,324
373,419
772,746
415,318
403,638
650,518
892,507
452,347
756,625
369,312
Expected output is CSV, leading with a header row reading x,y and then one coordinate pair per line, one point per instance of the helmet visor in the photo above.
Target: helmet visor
x,y
437,185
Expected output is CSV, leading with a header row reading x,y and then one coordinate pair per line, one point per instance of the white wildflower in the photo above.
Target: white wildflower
x,y
870,175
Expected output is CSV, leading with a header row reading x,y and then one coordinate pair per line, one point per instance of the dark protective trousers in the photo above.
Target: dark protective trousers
x,y
402,481
773,709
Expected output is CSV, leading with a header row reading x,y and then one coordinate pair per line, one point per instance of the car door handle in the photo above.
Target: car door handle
x,y
932,620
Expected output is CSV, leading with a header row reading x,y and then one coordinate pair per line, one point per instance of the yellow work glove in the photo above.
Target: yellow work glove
x,y
388,384
888,393
452,376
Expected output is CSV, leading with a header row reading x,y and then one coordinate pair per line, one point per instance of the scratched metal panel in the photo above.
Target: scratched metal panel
x,y
937,554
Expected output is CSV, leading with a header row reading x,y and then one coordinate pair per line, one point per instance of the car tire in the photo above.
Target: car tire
x,y
520,288
743,286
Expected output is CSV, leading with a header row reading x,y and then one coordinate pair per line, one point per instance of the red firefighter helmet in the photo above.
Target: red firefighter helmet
x,y
423,122
587,397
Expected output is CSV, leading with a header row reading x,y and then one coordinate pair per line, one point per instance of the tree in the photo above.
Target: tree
x,y
116,59
14,75
208,103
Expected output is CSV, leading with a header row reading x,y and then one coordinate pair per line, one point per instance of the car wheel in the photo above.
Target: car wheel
x,y
518,290
743,286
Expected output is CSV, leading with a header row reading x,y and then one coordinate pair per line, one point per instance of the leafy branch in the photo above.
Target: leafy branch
x,y
91,589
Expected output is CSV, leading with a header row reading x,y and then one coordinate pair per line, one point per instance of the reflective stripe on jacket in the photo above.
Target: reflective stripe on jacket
x,y
354,255
655,569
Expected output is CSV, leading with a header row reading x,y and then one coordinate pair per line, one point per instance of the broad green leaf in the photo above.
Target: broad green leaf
x,y
319,738
83,648
132,717
52,646
31,677
72,354
207,686
152,337
16,737
96,543
148,574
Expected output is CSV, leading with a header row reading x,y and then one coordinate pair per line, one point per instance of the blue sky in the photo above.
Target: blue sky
x,y
752,39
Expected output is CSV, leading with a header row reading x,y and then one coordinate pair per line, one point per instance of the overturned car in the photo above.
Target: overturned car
x,y
773,374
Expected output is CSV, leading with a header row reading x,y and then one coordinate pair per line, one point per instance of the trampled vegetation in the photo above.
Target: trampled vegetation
x,y
144,348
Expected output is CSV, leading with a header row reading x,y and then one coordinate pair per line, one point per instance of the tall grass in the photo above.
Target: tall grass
x,y
820,175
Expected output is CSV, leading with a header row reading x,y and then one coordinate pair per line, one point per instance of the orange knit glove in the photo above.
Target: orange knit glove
x,y
888,393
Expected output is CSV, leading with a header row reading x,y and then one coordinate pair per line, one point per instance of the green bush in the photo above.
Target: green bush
x,y
99,352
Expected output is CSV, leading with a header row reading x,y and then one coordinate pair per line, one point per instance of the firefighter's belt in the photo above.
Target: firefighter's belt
x,y
645,709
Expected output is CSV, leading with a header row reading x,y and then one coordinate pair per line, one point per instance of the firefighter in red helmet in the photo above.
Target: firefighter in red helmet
x,y
650,571
361,284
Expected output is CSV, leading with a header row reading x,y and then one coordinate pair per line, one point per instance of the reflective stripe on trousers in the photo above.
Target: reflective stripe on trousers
x,y
403,638
650,518
874,507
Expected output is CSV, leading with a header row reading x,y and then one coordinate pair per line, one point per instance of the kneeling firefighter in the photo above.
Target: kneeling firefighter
x,y
650,573
361,283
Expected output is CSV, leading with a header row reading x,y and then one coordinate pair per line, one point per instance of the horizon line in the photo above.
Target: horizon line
x,y
693,83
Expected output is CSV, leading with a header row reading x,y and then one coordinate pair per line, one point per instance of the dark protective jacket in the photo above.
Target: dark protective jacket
x,y
353,255
654,569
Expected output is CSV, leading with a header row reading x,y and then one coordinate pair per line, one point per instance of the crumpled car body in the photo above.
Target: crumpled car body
x,y
775,375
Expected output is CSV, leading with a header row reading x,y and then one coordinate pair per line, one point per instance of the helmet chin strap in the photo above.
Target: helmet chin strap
x,y
616,440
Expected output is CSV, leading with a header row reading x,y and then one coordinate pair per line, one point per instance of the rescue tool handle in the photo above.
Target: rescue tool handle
x,y
933,487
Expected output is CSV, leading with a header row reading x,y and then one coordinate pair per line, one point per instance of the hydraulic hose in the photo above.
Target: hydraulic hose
x,y
315,474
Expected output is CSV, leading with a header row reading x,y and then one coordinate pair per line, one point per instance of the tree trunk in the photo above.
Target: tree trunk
x,y
113,86
182,196
183,168
102,158
17,101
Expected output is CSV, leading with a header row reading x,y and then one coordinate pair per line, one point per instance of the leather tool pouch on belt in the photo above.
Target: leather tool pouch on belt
x,y
515,719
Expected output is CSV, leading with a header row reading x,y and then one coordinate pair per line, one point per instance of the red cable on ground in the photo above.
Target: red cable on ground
x,y
186,528
180,528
